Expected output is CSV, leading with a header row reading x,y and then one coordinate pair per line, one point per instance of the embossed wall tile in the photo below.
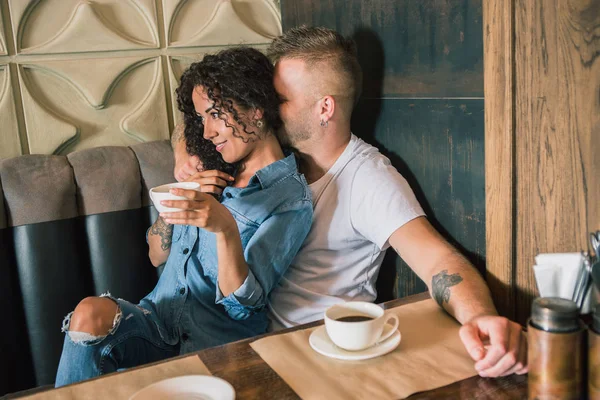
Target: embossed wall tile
x,y
10,145
3,48
66,109
83,81
220,22
72,26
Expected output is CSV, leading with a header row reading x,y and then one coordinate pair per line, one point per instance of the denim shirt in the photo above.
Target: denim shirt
x,y
273,214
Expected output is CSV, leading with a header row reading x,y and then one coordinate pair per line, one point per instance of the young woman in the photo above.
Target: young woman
x,y
223,257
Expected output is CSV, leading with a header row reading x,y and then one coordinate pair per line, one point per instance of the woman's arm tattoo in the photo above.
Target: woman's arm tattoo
x,y
441,284
165,231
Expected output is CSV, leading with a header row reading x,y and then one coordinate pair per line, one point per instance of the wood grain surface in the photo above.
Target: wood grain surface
x,y
557,107
499,151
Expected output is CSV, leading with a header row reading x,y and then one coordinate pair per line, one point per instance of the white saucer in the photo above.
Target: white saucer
x,y
321,343
200,387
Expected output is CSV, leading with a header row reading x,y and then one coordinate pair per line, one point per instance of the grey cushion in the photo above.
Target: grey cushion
x,y
156,165
37,188
108,179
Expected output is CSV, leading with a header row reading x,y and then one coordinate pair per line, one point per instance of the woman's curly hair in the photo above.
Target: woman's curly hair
x,y
242,75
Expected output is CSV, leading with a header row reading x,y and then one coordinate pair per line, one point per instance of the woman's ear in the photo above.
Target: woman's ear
x,y
258,114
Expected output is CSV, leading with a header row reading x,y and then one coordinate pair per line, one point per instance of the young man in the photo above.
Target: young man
x,y
362,205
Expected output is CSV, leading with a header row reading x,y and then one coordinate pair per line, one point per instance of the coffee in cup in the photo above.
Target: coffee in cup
x,y
161,193
357,325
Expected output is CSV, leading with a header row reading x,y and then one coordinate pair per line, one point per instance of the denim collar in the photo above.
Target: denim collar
x,y
276,171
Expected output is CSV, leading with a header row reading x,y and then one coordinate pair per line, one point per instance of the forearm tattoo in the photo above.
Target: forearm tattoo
x,y
165,231
441,284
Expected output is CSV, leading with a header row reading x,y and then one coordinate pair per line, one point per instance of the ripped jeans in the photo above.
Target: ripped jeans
x,y
133,340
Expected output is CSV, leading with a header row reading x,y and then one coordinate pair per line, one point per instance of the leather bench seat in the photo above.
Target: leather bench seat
x,y
70,227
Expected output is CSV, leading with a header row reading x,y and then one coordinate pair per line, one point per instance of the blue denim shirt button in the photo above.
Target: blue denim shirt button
x,y
184,337
186,250
182,291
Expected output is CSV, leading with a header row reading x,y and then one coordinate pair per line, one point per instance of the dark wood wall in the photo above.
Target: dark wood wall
x,y
422,106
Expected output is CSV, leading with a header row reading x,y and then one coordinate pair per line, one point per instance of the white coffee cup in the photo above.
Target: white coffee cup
x,y
362,334
160,193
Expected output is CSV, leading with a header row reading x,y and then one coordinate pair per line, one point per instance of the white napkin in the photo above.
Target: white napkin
x,y
556,276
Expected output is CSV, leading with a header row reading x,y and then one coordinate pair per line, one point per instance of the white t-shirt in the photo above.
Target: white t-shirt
x,y
358,204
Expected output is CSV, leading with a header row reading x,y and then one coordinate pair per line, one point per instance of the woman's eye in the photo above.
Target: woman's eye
x,y
214,115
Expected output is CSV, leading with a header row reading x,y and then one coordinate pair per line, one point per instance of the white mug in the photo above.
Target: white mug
x,y
160,193
358,335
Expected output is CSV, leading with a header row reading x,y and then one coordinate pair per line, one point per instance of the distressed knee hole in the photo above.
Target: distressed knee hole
x,y
86,337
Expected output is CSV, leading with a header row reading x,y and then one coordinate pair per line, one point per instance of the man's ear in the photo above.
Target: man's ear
x,y
327,107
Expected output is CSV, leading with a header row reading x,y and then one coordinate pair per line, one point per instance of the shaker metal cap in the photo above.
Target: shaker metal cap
x,y
554,314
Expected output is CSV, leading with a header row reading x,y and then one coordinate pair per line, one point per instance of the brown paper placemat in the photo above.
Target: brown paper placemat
x,y
124,384
430,355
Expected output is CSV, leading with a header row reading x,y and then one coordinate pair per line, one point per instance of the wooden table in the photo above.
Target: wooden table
x,y
252,378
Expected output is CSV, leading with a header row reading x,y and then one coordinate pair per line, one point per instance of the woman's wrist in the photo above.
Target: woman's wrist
x,y
228,233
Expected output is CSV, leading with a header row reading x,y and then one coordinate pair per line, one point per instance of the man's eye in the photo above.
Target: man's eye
x,y
214,115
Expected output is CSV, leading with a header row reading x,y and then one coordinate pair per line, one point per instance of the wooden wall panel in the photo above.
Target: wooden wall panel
x,y
557,106
426,47
414,55
499,150
438,147
542,95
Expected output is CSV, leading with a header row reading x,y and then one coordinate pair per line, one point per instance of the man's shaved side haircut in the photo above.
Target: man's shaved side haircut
x,y
317,45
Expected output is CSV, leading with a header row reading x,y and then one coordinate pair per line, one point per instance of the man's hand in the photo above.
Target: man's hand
x,y
498,346
185,165
212,181
190,167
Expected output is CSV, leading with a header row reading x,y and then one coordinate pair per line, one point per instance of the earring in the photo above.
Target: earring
x,y
259,124
324,123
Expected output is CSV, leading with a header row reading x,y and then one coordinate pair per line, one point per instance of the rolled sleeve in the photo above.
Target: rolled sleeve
x,y
244,300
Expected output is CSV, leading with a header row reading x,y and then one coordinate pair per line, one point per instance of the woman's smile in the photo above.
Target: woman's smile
x,y
220,146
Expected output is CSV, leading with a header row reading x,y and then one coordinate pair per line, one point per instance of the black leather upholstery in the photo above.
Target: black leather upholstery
x,y
15,351
119,255
55,265
54,276
47,267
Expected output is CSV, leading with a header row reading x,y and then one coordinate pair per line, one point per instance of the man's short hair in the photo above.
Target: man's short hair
x,y
316,45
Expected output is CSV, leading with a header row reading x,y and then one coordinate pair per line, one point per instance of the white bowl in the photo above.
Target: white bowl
x,y
160,193
188,387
